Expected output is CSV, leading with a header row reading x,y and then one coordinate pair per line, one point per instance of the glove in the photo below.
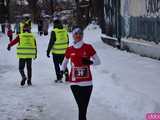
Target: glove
x,y
87,61
48,54
8,48
35,57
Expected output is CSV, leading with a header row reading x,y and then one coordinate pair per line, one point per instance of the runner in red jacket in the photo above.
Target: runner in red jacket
x,y
81,55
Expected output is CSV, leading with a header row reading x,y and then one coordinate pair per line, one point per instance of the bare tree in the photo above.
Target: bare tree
x,y
34,7
82,12
77,12
95,9
4,9
51,6
7,8
98,9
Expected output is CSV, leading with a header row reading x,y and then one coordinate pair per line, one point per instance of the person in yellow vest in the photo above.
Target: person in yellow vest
x,y
57,46
26,51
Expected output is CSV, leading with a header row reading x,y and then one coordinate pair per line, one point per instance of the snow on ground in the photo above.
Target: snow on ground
x,y
125,85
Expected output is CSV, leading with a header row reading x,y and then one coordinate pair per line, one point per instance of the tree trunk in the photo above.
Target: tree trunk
x,y
34,7
78,22
82,13
98,9
7,9
52,9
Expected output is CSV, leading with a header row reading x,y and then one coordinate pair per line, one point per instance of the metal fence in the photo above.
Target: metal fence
x,y
147,28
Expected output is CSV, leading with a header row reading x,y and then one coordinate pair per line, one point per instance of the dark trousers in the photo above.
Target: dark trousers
x,y
58,59
3,28
82,97
10,37
22,63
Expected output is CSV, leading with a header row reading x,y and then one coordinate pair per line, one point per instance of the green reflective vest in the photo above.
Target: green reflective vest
x,y
26,47
61,42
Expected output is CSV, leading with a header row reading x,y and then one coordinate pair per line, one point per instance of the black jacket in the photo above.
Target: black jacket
x,y
53,38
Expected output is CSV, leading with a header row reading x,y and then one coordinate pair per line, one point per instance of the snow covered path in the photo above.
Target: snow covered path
x,y
126,86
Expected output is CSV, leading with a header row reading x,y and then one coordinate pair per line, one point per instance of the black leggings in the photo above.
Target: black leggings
x,y
28,62
82,96
10,37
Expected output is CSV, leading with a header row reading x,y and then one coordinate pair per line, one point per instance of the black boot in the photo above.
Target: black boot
x,y
23,81
59,78
58,81
66,76
29,82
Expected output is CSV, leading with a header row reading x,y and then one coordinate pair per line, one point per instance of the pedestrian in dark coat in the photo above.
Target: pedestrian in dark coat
x,y
57,46
40,26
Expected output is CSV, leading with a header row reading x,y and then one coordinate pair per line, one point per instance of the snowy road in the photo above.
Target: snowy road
x,y
126,86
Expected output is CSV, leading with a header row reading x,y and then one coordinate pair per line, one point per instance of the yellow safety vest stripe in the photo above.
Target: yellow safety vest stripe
x,y
61,42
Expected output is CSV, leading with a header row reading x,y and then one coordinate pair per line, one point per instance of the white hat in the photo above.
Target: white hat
x,y
77,30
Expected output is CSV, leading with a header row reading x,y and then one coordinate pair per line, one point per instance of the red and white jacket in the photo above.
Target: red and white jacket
x,y
80,74
9,32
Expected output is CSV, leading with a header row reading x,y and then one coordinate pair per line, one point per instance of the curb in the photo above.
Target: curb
x,y
143,49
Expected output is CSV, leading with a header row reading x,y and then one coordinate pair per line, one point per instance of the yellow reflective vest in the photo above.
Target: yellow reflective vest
x,y
61,42
27,46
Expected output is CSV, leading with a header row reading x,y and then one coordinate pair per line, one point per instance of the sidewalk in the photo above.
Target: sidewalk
x,y
138,46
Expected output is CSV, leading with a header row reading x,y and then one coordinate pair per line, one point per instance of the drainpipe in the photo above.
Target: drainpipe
x,y
119,23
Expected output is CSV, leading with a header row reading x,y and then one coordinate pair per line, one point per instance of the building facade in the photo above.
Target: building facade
x,y
139,18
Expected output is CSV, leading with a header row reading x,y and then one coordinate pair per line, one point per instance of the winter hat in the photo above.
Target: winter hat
x,y
77,35
56,21
77,30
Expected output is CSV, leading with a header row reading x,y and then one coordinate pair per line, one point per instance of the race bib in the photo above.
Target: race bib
x,y
81,72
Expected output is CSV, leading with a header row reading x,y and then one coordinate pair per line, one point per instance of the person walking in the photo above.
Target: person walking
x,y
17,25
26,51
40,26
45,25
81,56
57,46
9,32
